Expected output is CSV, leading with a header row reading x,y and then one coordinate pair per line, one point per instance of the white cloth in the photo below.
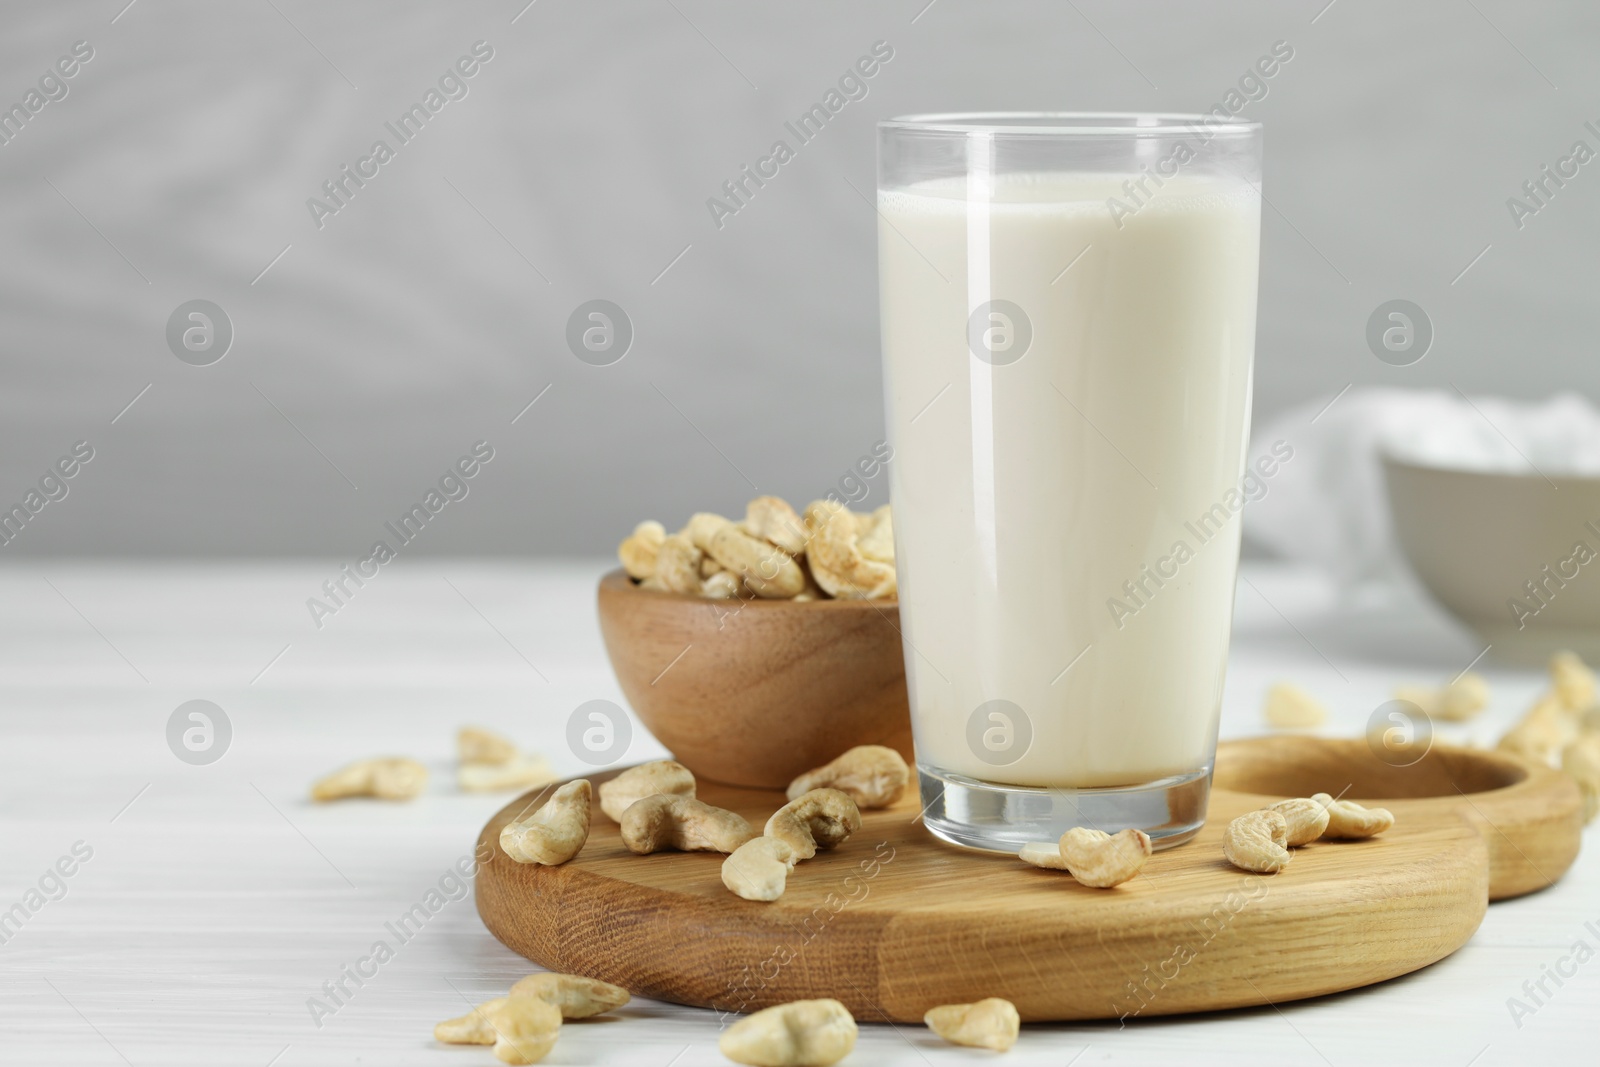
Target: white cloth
x,y
1328,504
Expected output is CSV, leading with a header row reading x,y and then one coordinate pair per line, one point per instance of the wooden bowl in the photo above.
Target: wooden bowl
x,y
753,693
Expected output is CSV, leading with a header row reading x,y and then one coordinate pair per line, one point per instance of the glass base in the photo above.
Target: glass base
x,y
1002,818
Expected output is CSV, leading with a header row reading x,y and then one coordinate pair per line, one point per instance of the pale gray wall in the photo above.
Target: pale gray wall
x,y
411,326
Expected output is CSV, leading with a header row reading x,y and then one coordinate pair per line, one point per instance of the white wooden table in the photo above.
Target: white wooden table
x,y
217,899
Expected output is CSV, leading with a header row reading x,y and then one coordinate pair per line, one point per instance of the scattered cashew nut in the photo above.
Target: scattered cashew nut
x,y
992,1023
822,818
525,1029
474,744
681,822
1046,854
1581,760
1542,733
1256,841
873,776
521,773
574,996
759,868
393,778
663,776
1458,701
1289,707
555,832
1306,819
802,1033
470,1029
1573,681
1348,820
1101,860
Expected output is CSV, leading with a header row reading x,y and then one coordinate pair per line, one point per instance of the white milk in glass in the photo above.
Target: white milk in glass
x,y
1059,537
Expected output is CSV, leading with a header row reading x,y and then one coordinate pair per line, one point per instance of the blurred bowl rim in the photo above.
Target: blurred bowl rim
x,y
1391,459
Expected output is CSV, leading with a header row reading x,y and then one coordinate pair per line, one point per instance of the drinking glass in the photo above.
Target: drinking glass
x,y
1068,308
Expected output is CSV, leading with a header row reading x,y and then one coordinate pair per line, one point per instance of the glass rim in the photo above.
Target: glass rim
x,y
1069,123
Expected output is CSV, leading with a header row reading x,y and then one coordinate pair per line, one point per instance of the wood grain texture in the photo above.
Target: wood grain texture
x,y
1529,815
893,923
753,693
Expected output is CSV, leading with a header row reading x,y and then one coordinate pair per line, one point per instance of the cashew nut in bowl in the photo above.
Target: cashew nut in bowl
x,y
639,552
683,823
555,832
772,519
822,818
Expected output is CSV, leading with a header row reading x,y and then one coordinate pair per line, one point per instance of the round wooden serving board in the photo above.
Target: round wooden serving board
x,y
893,922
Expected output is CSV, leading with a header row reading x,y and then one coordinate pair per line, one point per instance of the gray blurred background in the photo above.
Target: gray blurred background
x,y
372,352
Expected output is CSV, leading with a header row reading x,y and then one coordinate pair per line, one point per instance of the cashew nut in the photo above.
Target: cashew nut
x,y
822,818
555,832
1542,733
393,778
1289,707
992,1023
701,527
1256,841
1581,760
876,538
1573,681
470,1029
802,1033
834,553
522,773
678,565
871,775
759,868
1349,820
683,823
768,570
723,585
1046,854
1458,701
772,519
646,780
474,744
1306,819
1101,860
574,996
638,553
525,1029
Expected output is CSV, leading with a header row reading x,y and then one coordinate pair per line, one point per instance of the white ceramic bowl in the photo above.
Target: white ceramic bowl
x,y
1514,556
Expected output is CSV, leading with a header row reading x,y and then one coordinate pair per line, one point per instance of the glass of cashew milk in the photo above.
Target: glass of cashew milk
x,y
1068,307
